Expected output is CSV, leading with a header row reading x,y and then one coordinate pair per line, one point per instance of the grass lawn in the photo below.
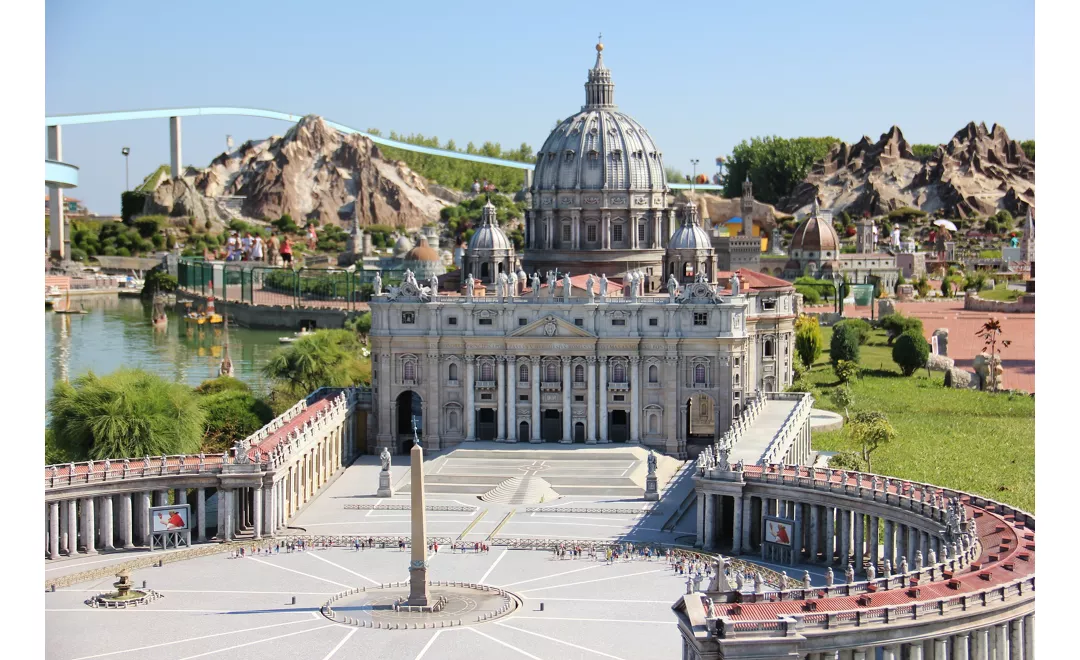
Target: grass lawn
x,y
1001,292
963,439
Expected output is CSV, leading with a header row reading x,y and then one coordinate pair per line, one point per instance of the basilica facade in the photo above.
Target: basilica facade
x,y
646,341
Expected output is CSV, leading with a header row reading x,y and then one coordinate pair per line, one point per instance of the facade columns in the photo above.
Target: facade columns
x,y
200,515
143,517
500,405
635,388
797,532
567,402
230,514
890,652
1001,641
107,522
980,644
1029,637
701,519
603,396
890,548
859,654
859,551
737,524
126,535
269,525
65,542
830,535
88,525
912,546
710,522
815,532
511,399
54,530
181,495
960,643
534,399
221,504
845,537
875,543
257,511
914,651
590,398
941,648
470,399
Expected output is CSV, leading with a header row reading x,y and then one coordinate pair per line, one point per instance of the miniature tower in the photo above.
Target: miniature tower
x,y
746,207
864,236
418,586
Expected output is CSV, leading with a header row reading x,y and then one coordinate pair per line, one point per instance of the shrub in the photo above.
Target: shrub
x,y
975,281
810,294
285,224
847,460
923,286
897,324
842,397
844,344
361,323
946,288
808,340
149,225
846,370
862,328
233,412
910,351
158,280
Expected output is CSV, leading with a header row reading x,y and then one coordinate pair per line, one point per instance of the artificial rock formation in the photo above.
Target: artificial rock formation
x,y
313,172
977,173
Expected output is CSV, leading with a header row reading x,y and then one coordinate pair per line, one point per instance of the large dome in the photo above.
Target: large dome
x,y
816,234
489,236
599,148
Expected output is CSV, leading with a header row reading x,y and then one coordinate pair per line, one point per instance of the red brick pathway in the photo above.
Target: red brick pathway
x,y
1018,359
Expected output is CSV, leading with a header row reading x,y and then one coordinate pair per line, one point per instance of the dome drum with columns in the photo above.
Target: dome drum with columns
x,y
490,250
599,195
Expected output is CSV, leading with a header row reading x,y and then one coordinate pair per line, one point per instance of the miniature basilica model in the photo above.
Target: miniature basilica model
x,y
616,327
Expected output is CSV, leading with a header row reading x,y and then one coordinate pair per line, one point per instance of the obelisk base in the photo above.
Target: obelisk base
x,y
652,494
418,586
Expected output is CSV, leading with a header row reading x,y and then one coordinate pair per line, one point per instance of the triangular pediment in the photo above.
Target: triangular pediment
x,y
551,326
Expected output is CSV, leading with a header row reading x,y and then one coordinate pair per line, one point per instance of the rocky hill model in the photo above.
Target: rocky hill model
x,y
313,172
977,173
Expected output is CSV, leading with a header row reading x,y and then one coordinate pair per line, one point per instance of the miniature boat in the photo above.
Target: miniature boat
x,y
296,335
67,306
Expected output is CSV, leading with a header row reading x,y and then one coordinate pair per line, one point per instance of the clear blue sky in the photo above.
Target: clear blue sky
x,y
701,76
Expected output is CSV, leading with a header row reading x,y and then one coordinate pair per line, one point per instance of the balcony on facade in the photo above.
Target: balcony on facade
x,y
486,384
618,387
551,386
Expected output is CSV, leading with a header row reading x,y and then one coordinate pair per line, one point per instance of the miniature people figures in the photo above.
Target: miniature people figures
x,y
378,283
932,557
888,569
918,560
535,284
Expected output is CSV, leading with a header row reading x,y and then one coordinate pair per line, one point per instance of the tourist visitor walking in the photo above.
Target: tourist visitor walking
x,y
286,252
272,247
245,247
312,237
476,187
257,249
232,246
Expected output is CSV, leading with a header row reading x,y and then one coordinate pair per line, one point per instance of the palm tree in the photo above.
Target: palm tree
x,y
129,413
990,332
327,358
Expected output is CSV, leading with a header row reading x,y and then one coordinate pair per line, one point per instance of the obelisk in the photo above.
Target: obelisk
x,y
418,587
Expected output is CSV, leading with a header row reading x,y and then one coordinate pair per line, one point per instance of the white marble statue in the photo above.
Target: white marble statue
x,y
652,463
603,285
589,284
410,278
385,458
734,284
672,286
566,285
502,286
513,283
551,284
378,283
536,285
433,282
635,283
470,284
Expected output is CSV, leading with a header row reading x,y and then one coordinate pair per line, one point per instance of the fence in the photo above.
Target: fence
x,y
248,282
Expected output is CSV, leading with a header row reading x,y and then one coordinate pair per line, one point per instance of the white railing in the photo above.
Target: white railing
x,y
794,425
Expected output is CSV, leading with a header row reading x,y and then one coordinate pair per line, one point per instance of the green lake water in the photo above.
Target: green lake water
x,y
117,333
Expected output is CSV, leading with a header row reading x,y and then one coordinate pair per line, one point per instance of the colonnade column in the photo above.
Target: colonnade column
x,y
470,402
73,528
815,532
501,407
859,654
126,536
257,510
567,402
603,399
980,644
845,537
220,513
914,651
107,522
511,400
941,649
747,520
200,514
701,518
534,399
875,530
65,546
635,394
890,652
88,525
1001,641
269,526
54,530
710,522
960,645
230,514
890,537
1029,637
830,535
590,398
912,546
737,525
858,552
143,517
797,532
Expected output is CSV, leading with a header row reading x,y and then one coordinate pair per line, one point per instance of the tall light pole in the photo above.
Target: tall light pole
x,y
694,162
127,183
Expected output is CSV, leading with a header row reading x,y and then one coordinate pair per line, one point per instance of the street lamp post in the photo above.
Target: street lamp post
x,y
127,183
694,162
838,281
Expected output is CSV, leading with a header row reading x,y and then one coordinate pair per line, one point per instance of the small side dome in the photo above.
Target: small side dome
x,y
422,252
815,234
489,236
402,246
690,235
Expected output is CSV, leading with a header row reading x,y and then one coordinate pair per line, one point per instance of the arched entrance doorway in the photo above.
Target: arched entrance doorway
x,y
700,421
551,431
485,424
579,432
409,405
523,432
619,426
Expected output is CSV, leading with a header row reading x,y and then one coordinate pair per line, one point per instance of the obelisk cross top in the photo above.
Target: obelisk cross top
x,y
415,423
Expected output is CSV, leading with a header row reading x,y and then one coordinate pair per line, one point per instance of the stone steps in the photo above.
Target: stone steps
x,y
520,490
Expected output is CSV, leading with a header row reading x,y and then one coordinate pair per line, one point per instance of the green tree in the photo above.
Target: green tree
x,y
897,324
910,352
233,412
327,358
842,397
846,371
923,151
360,324
1029,148
861,326
808,340
844,344
673,175
870,430
129,413
775,165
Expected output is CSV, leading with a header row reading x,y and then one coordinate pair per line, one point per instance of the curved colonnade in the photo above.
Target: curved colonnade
x,y
260,484
924,571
